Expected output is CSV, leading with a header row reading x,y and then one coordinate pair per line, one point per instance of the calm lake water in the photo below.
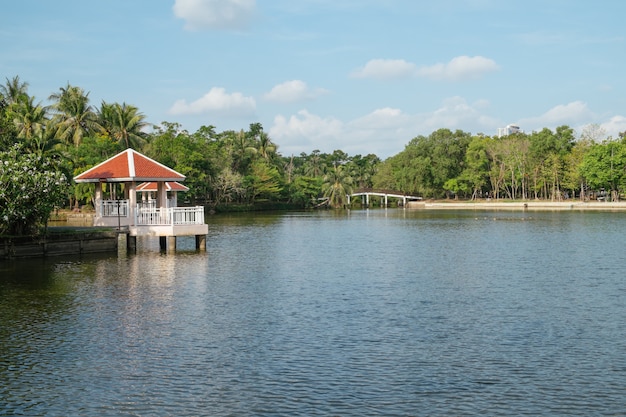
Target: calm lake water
x,y
367,313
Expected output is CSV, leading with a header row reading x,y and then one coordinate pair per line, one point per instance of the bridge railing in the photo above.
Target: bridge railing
x,y
382,191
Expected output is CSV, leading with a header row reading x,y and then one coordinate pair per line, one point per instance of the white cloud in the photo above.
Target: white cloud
x,y
571,114
385,69
459,68
615,126
457,113
306,125
381,119
293,91
384,131
214,14
216,100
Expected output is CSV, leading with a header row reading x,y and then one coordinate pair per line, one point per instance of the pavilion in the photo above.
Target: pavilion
x,y
157,216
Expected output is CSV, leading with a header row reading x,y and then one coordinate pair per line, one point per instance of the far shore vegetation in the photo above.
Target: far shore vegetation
x,y
42,146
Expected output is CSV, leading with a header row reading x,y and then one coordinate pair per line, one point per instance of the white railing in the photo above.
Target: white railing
x,y
147,205
169,216
113,208
152,204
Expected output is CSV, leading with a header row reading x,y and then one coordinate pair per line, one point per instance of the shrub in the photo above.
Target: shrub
x,y
31,186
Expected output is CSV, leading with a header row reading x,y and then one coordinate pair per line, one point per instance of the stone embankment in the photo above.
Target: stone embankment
x,y
56,243
528,205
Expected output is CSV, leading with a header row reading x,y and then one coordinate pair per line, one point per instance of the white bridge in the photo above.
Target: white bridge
x,y
367,192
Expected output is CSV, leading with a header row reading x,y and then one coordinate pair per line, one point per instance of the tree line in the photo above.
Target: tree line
x,y
231,167
246,168
549,165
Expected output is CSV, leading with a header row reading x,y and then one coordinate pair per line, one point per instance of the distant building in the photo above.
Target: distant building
x,y
508,130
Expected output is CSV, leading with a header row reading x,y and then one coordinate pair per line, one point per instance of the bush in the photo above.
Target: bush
x,y
31,186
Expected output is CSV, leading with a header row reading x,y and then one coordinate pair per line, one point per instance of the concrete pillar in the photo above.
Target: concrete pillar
x,y
171,244
122,243
201,242
132,201
161,195
98,199
131,243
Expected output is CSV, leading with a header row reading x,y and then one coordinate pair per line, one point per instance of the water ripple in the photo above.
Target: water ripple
x,y
374,313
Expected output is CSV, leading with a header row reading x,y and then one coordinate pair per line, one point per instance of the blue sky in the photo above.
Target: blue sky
x,y
362,76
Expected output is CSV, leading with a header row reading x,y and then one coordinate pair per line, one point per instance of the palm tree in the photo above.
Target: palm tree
x,y
266,148
362,169
29,118
13,90
124,123
75,117
44,142
337,185
314,167
240,148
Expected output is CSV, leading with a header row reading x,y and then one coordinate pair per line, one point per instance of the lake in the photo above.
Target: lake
x,y
359,313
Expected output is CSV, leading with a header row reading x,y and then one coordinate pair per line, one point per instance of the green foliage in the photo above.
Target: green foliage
x,y
305,191
263,181
31,186
428,162
475,175
228,187
191,155
124,123
74,118
337,185
603,165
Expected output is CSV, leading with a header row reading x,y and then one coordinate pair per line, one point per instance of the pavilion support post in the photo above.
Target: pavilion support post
x,y
201,242
98,199
132,201
161,195
171,244
122,243
131,243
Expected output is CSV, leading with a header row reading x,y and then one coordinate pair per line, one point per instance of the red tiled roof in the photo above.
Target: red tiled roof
x,y
127,166
169,186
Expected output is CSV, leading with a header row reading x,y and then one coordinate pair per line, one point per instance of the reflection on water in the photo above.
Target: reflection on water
x,y
380,312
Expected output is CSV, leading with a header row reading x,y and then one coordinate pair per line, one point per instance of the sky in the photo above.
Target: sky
x,y
361,76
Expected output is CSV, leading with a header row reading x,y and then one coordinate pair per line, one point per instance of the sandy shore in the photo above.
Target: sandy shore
x,y
528,205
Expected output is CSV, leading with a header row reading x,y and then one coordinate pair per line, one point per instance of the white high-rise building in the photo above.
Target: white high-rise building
x,y
508,130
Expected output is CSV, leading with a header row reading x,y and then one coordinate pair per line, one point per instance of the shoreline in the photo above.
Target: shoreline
x,y
523,205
